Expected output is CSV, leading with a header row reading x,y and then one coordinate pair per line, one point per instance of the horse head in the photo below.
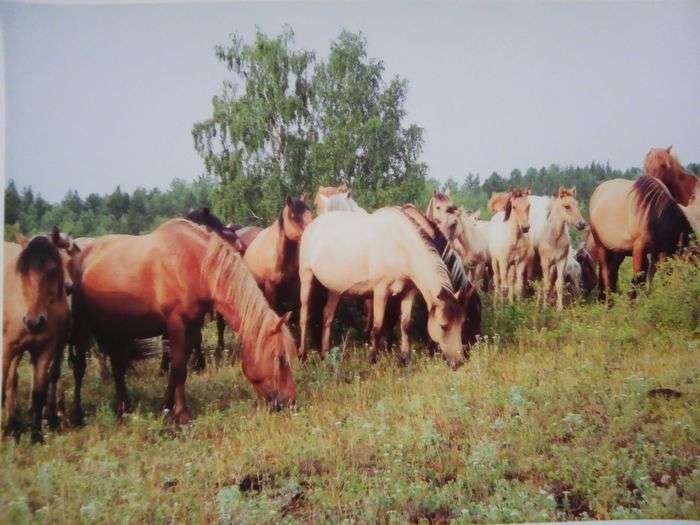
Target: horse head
x,y
294,217
518,207
566,205
441,208
445,319
661,164
41,271
269,369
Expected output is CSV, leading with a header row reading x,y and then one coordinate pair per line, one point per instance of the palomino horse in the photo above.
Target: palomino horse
x,y
510,245
272,256
550,239
163,283
652,215
35,319
384,253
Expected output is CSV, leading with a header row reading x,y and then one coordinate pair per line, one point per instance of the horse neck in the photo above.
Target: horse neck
x,y
235,294
554,226
285,250
423,272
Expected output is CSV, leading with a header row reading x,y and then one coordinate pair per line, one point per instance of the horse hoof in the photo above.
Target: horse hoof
x,y
404,360
373,358
37,437
183,418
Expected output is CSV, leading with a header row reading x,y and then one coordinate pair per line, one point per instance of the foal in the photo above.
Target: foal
x,y
510,245
35,319
554,242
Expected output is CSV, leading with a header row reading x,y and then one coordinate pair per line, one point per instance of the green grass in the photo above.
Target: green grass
x,y
550,419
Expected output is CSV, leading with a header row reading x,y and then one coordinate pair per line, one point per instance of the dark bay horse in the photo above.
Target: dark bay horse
x,y
163,283
35,320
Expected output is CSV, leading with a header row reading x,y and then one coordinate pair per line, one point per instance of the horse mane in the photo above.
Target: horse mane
x,y
39,251
436,242
204,217
230,281
663,165
666,223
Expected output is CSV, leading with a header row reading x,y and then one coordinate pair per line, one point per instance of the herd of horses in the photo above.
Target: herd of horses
x,y
121,290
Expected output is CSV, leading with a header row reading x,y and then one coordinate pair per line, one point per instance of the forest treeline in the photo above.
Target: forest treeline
x,y
142,210
285,122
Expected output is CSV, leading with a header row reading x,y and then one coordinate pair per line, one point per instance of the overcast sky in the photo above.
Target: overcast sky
x,y
103,95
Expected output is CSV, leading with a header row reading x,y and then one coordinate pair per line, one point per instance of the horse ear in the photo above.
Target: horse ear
x,y
476,214
348,195
303,197
21,240
507,209
668,150
282,320
205,211
55,236
447,191
465,294
288,200
573,191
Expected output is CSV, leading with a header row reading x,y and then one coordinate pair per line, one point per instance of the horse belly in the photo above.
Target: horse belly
x,y
611,215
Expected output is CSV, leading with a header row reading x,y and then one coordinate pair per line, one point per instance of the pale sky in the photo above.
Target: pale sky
x,y
98,96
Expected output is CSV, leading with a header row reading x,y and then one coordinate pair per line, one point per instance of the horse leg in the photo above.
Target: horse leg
x,y
41,361
10,363
519,278
198,359
380,296
77,356
496,280
561,267
119,365
306,279
406,309
175,392
54,377
165,359
220,327
328,314
368,313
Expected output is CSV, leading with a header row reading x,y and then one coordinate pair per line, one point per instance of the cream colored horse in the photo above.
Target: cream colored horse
x,y
551,241
272,256
383,254
510,245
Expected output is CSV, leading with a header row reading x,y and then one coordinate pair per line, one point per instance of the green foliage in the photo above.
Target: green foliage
x,y
118,212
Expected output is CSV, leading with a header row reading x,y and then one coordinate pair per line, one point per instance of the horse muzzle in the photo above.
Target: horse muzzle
x,y
35,325
525,229
278,403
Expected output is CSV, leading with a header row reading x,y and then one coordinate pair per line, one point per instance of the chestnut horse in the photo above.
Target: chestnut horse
x,y
35,319
272,256
643,217
163,283
384,253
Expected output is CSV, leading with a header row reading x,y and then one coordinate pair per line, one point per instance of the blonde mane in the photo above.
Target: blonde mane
x,y
230,281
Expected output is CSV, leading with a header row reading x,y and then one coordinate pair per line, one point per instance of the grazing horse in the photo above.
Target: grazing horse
x,y
510,245
651,215
385,253
551,242
273,255
163,283
35,319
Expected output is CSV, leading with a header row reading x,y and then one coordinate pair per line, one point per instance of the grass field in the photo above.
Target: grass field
x,y
555,416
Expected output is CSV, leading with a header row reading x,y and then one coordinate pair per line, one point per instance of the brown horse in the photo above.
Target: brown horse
x,y
35,319
273,255
652,215
163,283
